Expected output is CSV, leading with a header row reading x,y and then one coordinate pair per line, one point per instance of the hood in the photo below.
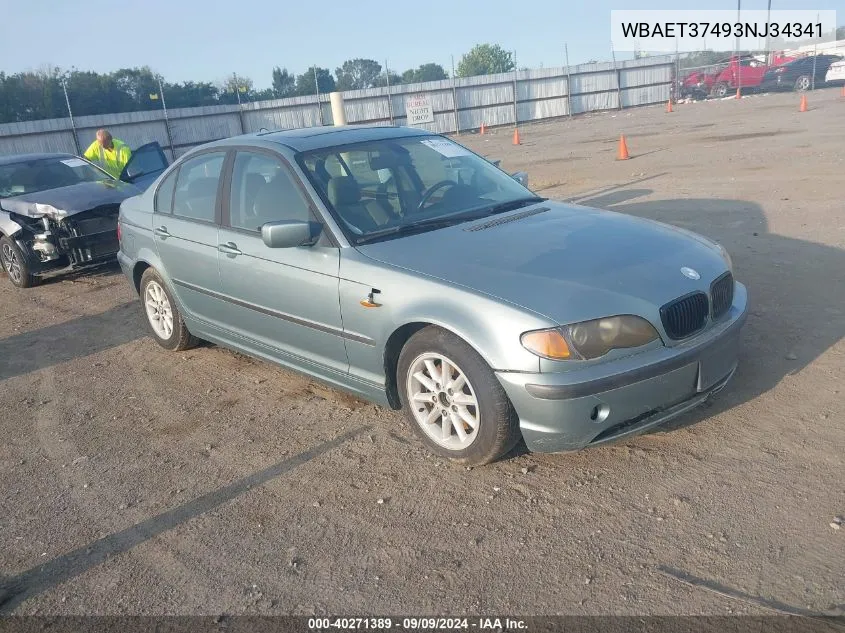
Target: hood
x,y
566,262
64,201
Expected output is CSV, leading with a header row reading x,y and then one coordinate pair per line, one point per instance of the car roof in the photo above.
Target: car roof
x,y
23,158
311,138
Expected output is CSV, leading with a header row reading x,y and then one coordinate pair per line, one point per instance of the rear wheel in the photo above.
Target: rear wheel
x,y
162,315
15,264
803,83
720,90
452,399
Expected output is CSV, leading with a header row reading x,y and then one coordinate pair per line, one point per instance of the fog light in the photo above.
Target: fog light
x,y
600,413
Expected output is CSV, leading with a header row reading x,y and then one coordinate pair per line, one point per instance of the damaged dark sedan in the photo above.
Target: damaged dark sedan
x,y
58,211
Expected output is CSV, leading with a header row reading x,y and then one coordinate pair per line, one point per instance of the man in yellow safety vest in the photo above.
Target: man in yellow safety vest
x,y
109,153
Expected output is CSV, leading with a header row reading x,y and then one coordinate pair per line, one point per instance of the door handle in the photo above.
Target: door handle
x,y
161,231
230,248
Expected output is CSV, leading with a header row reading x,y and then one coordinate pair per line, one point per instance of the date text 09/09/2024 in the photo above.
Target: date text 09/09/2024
x,y
417,624
720,29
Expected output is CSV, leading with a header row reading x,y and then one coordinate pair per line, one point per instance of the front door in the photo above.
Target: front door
x,y
284,301
145,165
185,223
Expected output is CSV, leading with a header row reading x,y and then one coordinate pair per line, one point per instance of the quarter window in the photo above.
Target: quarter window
x,y
164,195
196,187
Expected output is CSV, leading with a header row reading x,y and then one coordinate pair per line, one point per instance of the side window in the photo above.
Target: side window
x,y
196,187
164,195
263,190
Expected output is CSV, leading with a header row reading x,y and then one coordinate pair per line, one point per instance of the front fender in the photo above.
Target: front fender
x,y
490,326
8,226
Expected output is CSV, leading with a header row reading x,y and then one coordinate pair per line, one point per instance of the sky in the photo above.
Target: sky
x,y
208,40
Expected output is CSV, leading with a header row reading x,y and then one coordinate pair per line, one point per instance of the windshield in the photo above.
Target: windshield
x,y
17,179
383,187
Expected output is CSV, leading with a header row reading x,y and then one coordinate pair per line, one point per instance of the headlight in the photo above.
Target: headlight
x,y
590,339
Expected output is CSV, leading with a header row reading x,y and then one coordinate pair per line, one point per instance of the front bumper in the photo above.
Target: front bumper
x,y
608,401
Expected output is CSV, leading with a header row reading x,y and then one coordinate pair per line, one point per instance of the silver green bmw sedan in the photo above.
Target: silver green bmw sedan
x,y
400,266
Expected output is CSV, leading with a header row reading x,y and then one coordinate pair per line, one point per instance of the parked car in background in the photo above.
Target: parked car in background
x,y
836,73
799,74
401,266
60,211
745,72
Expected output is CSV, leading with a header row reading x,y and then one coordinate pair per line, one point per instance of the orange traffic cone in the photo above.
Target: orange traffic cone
x,y
843,91
803,107
483,129
623,149
669,106
516,136
738,94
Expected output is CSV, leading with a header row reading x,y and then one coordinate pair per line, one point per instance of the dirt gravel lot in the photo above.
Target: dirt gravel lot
x,y
136,481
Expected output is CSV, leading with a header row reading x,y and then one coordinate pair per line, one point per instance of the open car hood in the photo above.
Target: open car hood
x,y
65,201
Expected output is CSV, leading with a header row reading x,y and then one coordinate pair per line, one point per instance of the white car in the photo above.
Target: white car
x,y
836,72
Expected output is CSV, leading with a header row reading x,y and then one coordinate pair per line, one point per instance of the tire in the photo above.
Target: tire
x,y
496,428
168,329
720,90
803,83
15,264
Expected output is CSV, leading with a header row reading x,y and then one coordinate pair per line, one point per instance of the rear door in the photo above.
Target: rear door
x,y
185,223
283,301
145,165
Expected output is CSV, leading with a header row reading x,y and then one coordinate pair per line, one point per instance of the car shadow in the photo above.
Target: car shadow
x,y
795,312
69,340
88,274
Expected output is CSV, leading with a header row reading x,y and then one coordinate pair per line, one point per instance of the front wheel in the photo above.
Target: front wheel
x,y
453,401
803,83
15,264
162,315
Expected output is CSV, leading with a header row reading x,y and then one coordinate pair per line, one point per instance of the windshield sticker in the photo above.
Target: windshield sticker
x,y
446,148
74,162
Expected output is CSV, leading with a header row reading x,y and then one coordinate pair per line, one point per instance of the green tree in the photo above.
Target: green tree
x,y
485,59
235,89
356,74
305,82
284,84
190,94
138,84
381,80
425,72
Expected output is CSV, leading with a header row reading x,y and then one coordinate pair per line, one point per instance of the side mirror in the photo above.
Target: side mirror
x,y
521,177
289,234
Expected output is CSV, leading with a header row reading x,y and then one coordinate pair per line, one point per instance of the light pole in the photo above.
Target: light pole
x,y
768,20
70,114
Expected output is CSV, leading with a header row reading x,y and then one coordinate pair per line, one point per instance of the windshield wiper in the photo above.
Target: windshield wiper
x,y
437,223
511,205
407,229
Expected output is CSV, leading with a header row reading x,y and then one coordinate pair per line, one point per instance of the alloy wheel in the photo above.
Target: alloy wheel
x,y
11,264
159,312
443,401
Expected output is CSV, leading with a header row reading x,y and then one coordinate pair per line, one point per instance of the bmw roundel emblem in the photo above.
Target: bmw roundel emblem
x,y
689,273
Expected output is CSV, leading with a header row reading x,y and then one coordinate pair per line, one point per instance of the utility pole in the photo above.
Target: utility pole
x,y
568,80
768,20
455,99
70,114
515,111
738,60
389,98
317,88
166,119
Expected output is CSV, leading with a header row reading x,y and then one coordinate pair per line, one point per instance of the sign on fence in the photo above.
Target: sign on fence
x,y
418,109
